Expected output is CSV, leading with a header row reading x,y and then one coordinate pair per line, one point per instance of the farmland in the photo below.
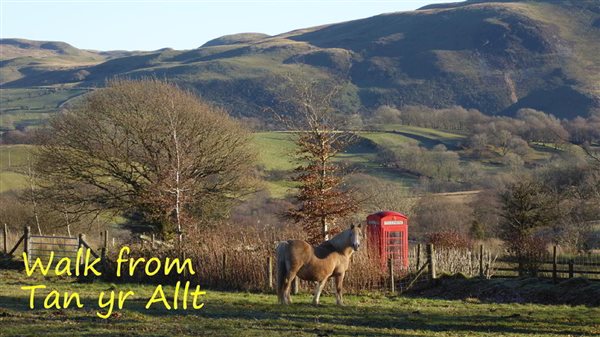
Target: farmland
x,y
31,107
253,314
275,150
13,161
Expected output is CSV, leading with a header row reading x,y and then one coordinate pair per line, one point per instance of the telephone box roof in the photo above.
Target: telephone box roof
x,y
383,214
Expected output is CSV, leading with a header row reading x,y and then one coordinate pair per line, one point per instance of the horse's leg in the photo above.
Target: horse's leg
x,y
282,270
280,292
339,287
318,290
287,288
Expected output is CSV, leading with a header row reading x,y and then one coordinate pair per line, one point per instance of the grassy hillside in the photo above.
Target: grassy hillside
x,y
493,56
14,48
21,58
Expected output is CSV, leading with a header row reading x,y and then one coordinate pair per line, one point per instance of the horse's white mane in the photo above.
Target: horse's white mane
x,y
340,241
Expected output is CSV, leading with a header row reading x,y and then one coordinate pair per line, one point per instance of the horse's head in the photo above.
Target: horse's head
x,y
355,236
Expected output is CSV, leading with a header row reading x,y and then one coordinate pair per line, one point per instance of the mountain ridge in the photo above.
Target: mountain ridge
x,y
495,56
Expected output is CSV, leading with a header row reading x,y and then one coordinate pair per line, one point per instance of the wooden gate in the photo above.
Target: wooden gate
x,y
43,245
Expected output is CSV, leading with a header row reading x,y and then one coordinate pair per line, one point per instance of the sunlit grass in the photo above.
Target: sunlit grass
x,y
255,314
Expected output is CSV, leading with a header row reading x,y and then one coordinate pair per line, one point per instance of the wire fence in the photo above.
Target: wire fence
x,y
243,259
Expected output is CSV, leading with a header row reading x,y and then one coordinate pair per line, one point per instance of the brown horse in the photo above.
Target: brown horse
x,y
331,258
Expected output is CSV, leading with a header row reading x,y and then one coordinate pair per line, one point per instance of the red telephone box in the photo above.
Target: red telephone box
x,y
388,235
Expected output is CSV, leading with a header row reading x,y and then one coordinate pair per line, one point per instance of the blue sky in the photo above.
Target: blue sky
x,y
179,24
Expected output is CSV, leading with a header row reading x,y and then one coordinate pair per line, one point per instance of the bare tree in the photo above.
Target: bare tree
x,y
437,213
526,207
541,127
379,194
149,151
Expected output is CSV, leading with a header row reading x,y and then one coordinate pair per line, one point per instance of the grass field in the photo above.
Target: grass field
x,y
14,156
30,107
426,137
274,150
13,161
247,314
12,181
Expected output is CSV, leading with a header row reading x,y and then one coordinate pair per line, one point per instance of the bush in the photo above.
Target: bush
x,y
449,239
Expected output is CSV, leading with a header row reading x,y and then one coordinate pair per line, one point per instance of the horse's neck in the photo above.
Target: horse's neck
x,y
338,243
329,249
348,251
327,245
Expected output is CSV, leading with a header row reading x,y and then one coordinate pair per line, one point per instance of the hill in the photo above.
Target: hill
x,y
495,56
21,58
235,39
14,48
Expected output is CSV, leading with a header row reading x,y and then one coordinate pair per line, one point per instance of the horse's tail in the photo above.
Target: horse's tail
x,y
280,253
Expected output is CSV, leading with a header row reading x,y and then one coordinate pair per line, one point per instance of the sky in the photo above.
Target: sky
x,y
178,24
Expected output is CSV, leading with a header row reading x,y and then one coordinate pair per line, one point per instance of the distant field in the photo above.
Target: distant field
x,y
425,137
13,162
429,133
27,107
387,139
12,181
14,156
276,150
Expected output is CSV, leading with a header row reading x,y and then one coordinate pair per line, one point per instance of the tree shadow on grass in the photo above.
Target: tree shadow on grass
x,y
326,320
575,291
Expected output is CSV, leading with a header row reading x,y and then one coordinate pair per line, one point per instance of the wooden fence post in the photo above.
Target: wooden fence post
x,y
270,272
391,273
104,250
295,286
520,267
431,261
571,265
80,239
418,256
27,242
481,273
5,239
554,263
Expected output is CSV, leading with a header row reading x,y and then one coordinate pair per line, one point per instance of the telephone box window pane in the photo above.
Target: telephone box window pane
x,y
394,238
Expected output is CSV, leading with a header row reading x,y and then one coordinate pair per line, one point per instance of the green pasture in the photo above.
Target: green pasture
x,y
387,139
12,181
275,151
30,107
257,314
426,137
13,165
426,132
14,156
